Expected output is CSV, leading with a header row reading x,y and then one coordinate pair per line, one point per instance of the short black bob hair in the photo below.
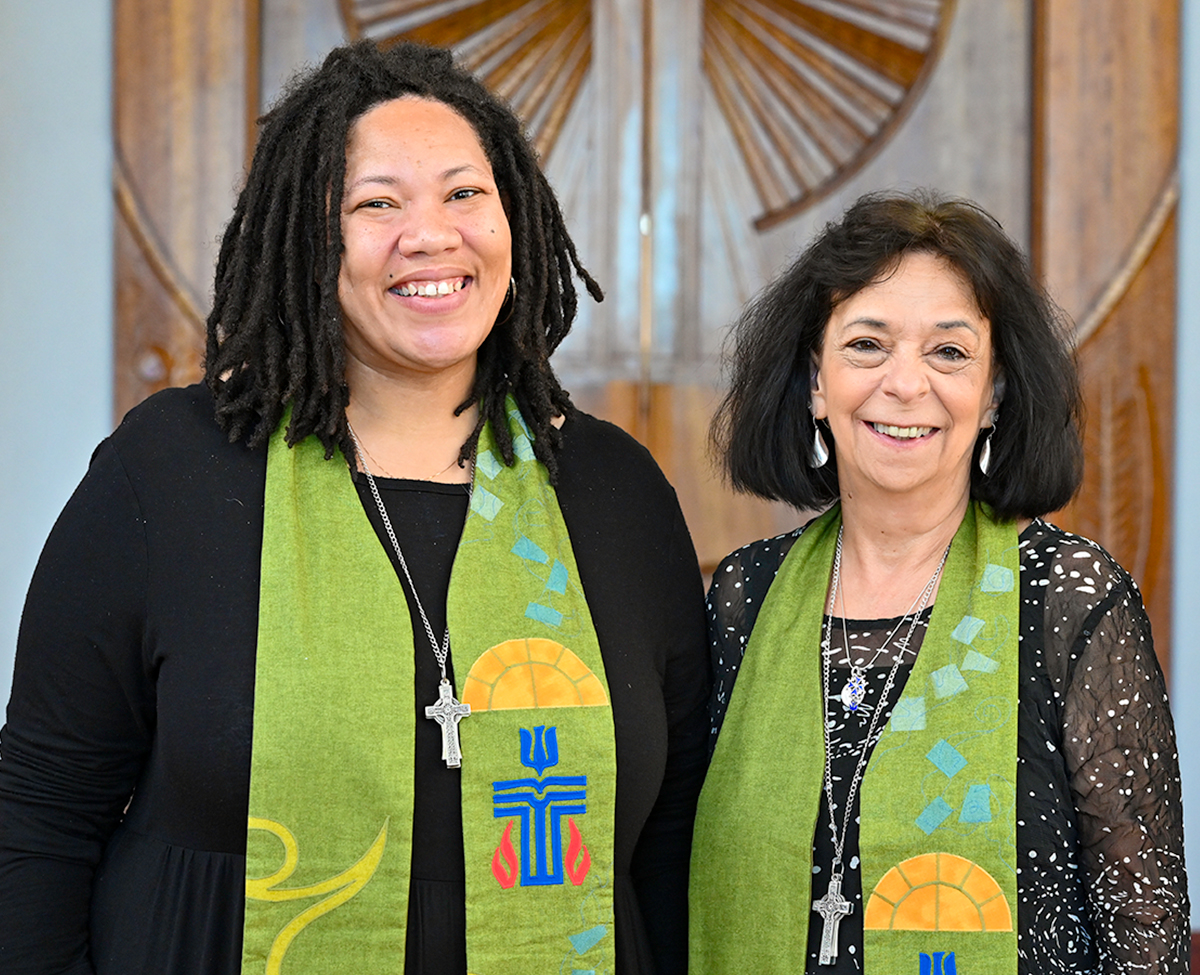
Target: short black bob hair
x,y
764,429
275,330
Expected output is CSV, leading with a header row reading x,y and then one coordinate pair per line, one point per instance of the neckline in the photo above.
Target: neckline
x,y
878,624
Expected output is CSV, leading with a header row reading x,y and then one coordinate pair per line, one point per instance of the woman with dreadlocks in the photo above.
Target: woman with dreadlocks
x,y
329,662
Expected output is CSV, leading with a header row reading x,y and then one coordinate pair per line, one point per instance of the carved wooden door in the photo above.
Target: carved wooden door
x,y
696,145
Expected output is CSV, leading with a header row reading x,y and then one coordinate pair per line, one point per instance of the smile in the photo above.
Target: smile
x,y
429,289
902,433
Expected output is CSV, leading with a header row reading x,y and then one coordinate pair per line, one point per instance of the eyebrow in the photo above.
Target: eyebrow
x,y
385,180
949,324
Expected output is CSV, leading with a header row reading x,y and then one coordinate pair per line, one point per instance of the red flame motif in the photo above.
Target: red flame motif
x,y
576,872
506,877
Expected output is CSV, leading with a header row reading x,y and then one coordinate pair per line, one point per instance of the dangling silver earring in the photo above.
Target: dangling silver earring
x,y
820,453
985,455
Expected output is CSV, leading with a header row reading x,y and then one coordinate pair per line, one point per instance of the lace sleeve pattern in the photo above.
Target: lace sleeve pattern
x,y
1119,753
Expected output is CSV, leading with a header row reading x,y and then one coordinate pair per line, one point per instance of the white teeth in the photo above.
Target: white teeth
x,y
431,289
902,433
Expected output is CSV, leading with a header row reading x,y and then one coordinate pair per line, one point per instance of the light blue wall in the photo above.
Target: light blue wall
x,y
55,273
1186,577
56,310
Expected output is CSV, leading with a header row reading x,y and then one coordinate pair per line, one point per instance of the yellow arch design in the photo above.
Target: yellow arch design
x,y
937,892
531,673
340,888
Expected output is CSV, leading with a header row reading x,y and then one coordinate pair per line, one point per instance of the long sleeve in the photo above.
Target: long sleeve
x,y
638,568
660,862
79,722
1121,759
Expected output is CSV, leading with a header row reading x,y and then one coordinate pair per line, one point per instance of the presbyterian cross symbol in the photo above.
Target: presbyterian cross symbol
x,y
832,908
540,804
448,713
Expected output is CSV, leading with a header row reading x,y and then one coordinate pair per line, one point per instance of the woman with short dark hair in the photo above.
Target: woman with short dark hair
x,y
944,741
371,653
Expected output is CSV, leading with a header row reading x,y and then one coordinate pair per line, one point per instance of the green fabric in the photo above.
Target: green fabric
x,y
941,780
331,790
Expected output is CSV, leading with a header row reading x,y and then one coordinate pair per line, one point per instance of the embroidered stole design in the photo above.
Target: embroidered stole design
x,y
938,808
331,787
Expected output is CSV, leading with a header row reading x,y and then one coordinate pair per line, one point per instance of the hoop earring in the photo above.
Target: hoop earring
x,y
819,456
510,299
985,455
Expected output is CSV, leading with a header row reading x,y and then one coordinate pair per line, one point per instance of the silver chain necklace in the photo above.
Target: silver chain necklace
x,y
855,688
447,711
833,906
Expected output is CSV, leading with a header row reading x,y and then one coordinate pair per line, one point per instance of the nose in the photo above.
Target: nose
x,y
427,229
906,378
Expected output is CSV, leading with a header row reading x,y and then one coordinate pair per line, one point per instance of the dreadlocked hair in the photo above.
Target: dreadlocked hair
x,y
275,331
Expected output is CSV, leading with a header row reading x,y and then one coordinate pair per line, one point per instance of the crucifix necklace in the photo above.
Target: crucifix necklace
x,y
833,906
447,711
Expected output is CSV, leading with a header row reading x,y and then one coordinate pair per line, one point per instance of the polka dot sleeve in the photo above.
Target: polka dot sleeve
x,y
1119,750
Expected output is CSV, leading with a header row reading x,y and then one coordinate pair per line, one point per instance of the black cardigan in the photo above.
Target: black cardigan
x,y
135,676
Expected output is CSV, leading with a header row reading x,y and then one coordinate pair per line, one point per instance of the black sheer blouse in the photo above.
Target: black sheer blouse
x,y
1101,883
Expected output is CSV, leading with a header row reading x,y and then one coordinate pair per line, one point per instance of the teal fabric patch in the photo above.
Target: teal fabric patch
x,y
514,414
933,815
559,577
977,806
996,578
968,628
587,939
947,758
523,448
948,681
487,464
908,715
484,503
974,660
529,550
544,614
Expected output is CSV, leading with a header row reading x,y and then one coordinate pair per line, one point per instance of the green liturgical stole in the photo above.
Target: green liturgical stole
x,y
329,845
938,807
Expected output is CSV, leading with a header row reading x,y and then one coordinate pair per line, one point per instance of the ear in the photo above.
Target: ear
x,y
820,409
998,385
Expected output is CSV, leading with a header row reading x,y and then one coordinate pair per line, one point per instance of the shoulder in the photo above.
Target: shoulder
x,y
173,438
590,443
1064,563
168,415
599,463
757,560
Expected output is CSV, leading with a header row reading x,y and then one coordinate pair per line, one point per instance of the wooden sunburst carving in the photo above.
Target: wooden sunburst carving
x,y
809,90
533,53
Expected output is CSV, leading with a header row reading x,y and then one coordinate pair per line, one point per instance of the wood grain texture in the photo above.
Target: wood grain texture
x,y
1104,201
184,85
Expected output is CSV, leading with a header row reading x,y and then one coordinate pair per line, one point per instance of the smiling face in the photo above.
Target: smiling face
x,y
905,381
428,251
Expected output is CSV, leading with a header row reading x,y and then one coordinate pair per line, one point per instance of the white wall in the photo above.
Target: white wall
x,y
55,273
1186,577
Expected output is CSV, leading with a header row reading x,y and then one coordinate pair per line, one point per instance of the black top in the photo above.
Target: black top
x,y
1101,885
135,676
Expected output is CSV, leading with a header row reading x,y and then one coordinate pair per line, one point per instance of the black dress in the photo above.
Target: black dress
x,y
1101,886
135,677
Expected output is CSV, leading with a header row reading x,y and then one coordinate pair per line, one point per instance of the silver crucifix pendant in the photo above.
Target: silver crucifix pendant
x,y
448,712
832,908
